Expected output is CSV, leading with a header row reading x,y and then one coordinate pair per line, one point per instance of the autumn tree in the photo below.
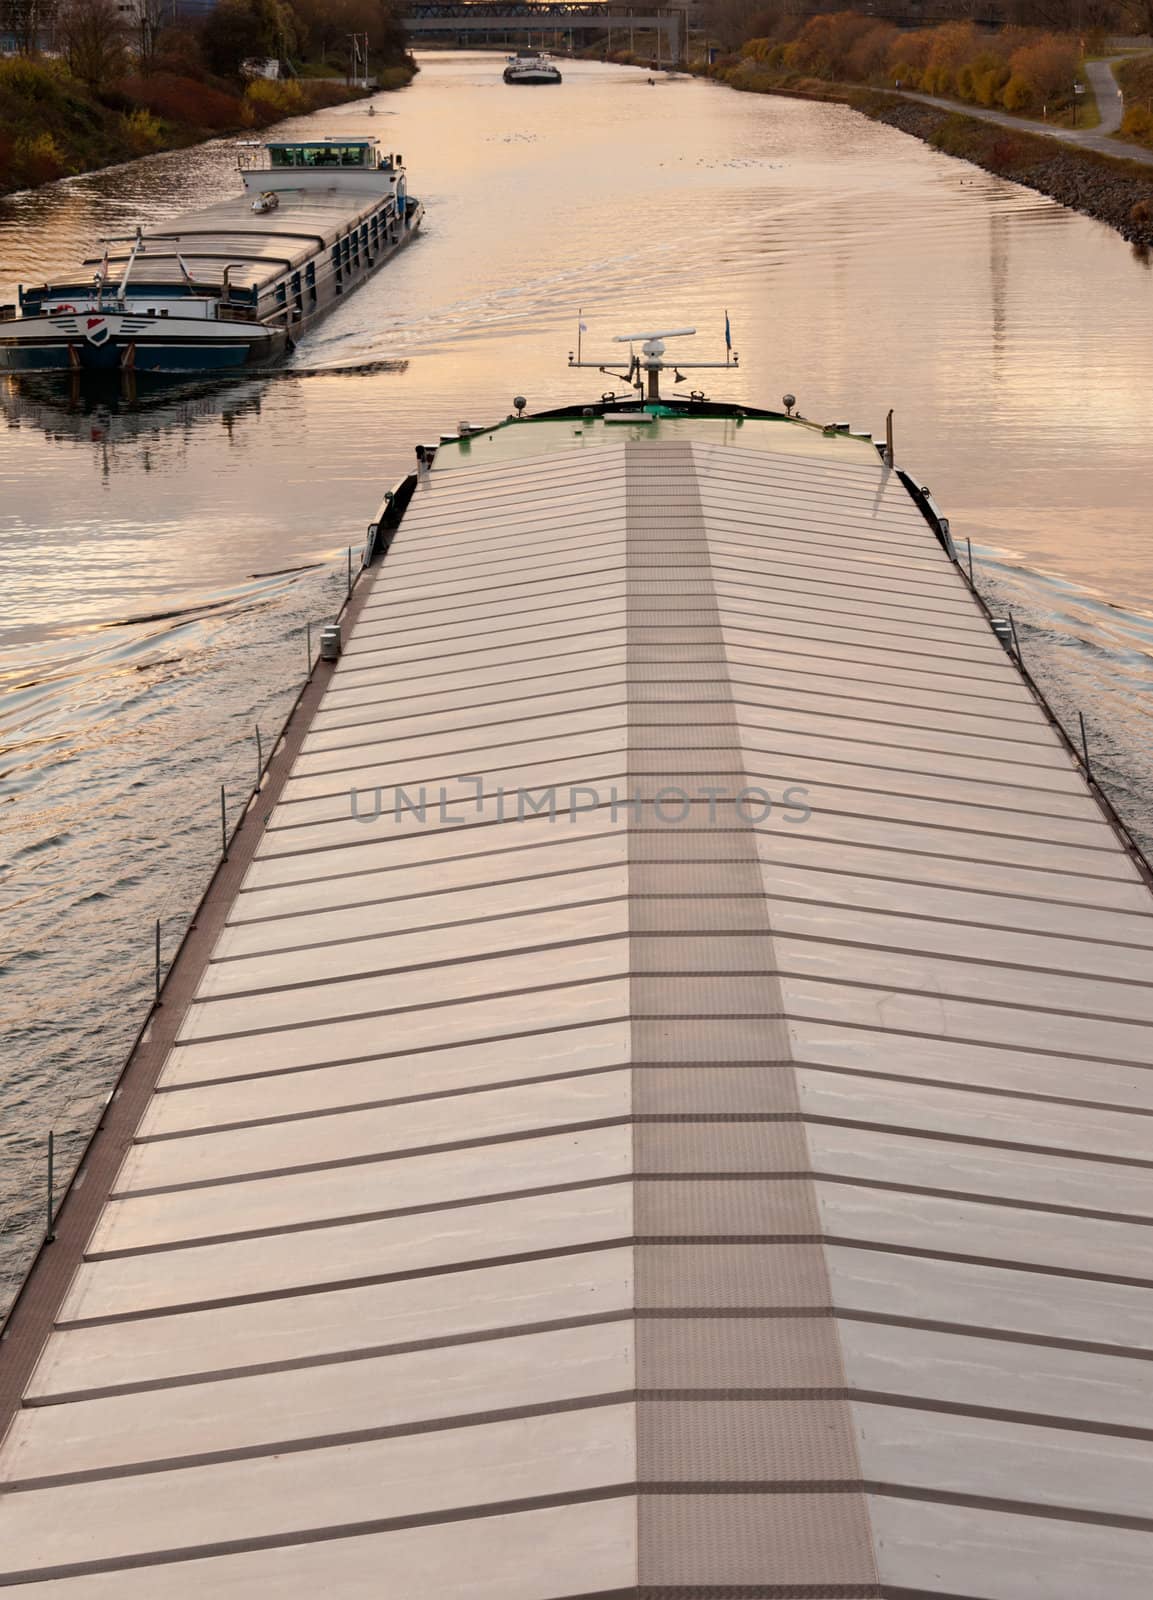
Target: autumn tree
x,y
909,57
1048,66
829,44
868,55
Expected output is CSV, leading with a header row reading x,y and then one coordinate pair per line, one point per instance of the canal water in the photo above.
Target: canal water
x,y
160,562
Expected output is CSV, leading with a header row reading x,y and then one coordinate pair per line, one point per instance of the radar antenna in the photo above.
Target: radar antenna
x,y
651,360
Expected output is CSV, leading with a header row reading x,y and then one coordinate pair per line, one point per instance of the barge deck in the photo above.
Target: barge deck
x,y
568,1177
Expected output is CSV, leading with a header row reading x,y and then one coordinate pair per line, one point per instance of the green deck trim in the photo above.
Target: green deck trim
x,y
517,440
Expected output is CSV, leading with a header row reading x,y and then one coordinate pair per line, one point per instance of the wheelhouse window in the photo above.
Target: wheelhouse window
x,y
320,155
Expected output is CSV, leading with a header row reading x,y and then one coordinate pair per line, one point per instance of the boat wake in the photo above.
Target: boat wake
x,y
1091,657
117,743
332,369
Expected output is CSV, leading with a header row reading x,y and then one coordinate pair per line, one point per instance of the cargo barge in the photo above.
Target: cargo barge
x,y
531,67
234,285
654,1101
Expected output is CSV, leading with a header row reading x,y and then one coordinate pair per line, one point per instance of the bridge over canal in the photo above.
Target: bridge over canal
x,y
551,24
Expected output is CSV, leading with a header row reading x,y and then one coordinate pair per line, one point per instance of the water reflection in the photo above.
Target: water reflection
x,y
122,417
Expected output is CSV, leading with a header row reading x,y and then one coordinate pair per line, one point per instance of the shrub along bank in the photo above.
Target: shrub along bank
x,y
53,125
117,91
1136,79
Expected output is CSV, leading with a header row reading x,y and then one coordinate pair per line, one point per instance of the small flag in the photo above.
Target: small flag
x,y
584,327
728,333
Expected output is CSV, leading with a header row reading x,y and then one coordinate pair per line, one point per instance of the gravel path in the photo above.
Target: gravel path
x,y
1109,104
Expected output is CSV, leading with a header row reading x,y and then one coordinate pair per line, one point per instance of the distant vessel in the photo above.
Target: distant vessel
x,y
233,285
530,66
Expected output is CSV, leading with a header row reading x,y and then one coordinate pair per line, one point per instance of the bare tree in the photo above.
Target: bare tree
x,y
731,22
152,17
1072,16
92,35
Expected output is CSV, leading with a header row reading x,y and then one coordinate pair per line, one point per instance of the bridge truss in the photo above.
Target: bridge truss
x,y
558,22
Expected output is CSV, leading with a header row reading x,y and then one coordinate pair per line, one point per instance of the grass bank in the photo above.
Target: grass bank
x,y
53,126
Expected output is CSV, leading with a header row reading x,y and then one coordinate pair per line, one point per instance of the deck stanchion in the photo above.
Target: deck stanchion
x,y
223,826
259,757
1016,641
969,543
50,1231
1085,746
158,999
308,649
350,569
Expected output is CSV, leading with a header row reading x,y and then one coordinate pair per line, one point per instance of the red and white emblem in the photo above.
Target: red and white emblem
x,y
96,329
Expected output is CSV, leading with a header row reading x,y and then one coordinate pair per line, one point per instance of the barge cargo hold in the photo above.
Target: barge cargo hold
x,y
234,285
578,1180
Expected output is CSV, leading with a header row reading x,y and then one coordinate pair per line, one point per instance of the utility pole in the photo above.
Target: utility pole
x,y
358,60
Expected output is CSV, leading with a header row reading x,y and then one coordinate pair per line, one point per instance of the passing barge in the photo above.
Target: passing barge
x,y
233,285
693,1146
531,67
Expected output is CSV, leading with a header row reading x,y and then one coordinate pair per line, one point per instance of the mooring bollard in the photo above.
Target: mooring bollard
x,y
50,1231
